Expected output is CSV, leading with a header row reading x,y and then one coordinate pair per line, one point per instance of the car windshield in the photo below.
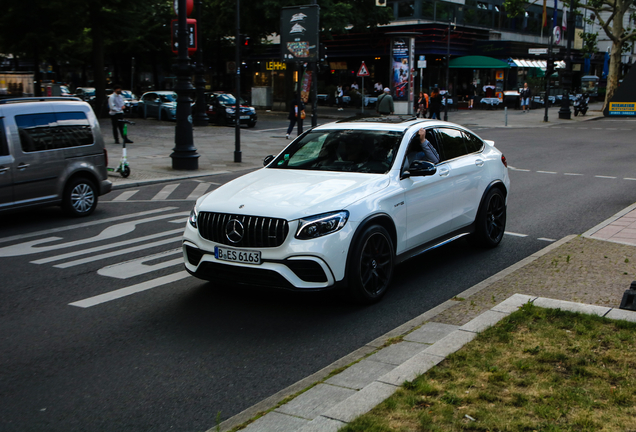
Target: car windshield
x,y
226,99
170,97
362,151
127,94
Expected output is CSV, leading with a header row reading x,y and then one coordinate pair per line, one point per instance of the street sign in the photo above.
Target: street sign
x,y
421,64
557,34
191,26
537,51
363,71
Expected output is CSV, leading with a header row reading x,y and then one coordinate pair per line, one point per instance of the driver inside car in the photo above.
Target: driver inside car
x,y
421,149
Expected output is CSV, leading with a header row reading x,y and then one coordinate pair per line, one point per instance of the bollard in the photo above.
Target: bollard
x,y
629,298
506,115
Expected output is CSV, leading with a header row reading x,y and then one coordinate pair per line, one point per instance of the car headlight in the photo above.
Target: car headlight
x,y
229,110
194,214
320,225
251,111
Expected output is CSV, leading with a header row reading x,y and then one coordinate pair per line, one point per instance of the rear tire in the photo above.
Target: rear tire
x,y
80,197
371,263
490,223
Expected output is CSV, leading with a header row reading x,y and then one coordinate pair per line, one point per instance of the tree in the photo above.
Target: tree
x,y
611,16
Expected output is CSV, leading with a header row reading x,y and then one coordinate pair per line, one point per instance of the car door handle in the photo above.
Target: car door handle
x,y
3,170
23,166
479,163
443,171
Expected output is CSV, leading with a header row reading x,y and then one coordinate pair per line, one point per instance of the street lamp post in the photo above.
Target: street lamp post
x,y
238,156
447,61
548,72
564,112
200,115
184,155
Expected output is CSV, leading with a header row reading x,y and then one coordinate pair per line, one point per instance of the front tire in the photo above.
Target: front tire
x,y
80,197
491,220
371,265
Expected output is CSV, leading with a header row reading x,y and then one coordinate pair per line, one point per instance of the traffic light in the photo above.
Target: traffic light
x,y
380,2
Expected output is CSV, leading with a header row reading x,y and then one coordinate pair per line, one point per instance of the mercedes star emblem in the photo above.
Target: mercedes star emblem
x,y
234,231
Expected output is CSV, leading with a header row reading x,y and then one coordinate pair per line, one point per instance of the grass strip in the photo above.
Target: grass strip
x,y
536,370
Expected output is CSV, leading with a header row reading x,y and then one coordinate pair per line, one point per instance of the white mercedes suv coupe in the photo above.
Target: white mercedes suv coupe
x,y
345,202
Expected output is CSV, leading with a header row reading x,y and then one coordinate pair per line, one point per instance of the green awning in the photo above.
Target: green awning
x,y
477,62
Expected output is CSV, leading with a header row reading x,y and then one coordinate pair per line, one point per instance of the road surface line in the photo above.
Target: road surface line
x,y
606,177
572,174
138,266
198,191
86,224
627,178
546,239
106,247
165,192
124,196
547,172
117,253
133,289
515,234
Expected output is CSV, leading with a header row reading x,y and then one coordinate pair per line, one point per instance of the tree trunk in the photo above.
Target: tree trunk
x,y
615,54
97,33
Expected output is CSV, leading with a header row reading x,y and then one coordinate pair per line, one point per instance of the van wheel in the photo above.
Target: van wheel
x,y
371,265
491,220
80,197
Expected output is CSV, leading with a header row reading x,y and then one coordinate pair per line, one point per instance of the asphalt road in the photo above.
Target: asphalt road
x,y
173,356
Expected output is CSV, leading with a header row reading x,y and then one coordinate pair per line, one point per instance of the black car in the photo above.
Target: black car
x,y
221,108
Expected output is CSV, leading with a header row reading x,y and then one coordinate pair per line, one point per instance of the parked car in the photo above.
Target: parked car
x,y
347,201
85,93
221,109
64,91
159,104
51,152
130,100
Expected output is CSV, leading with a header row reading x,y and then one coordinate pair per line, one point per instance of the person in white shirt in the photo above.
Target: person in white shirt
x,y
116,111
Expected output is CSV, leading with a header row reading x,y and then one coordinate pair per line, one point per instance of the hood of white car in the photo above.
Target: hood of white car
x,y
291,194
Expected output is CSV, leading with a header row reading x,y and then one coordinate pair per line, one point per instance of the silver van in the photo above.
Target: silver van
x,y
51,152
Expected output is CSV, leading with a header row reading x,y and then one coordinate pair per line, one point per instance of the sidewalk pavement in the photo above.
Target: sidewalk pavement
x,y
154,141
587,273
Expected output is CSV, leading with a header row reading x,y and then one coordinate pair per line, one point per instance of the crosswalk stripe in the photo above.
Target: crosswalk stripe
x,y
198,191
125,195
165,192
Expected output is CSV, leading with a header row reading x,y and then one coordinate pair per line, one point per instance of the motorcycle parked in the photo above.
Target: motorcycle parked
x,y
580,104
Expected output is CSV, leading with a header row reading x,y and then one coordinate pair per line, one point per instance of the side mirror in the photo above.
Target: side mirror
x,y
267,160
420,168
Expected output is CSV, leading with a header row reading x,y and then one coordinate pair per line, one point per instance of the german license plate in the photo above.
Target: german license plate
x,y
245,117
237,255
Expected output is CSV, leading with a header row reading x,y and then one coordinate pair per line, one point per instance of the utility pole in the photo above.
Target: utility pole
x,y
447,61
184,155
314,83
200,114
564,112
548,72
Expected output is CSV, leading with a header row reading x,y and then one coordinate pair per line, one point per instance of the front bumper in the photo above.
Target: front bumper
x,y
297,264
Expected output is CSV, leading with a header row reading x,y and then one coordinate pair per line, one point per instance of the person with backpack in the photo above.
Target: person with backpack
x,y
525,94
384,104
422,105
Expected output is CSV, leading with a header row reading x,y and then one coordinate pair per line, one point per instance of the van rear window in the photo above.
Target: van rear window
x,y
51,131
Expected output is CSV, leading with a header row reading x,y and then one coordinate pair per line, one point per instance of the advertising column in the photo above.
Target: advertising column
x,y
402,50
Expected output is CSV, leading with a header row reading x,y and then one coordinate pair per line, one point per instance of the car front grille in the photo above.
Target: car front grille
x,y
252,231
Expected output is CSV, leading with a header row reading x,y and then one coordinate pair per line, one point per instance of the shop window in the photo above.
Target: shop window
x,y
445,11
406,9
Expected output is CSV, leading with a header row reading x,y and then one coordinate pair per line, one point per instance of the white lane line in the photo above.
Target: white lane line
x,y
198,191
572,174
515,234
137,267
547,172
269,130
133,289
125,195
165,192
117,253
86,224
519,169
546,239
627,178
106,247
606,177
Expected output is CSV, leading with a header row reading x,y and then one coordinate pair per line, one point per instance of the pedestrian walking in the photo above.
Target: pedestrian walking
x,y
339,95
296,111
116,110
472,94
422,105
525,94
384,104
435,105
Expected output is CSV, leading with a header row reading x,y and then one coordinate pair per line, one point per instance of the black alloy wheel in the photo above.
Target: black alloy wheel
x,y
372,262
491,219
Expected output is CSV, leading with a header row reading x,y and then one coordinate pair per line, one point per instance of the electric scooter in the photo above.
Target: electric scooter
x,y
123,168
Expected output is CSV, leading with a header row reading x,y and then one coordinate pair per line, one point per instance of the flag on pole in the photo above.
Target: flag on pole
x,y
555,15
545,14
564,19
